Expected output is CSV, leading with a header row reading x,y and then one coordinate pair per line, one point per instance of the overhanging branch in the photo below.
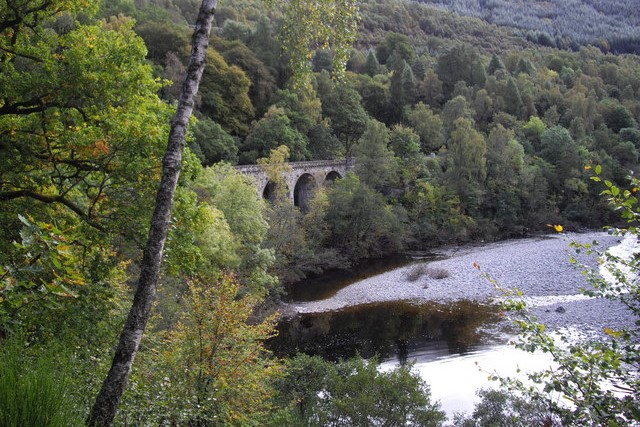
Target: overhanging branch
x,y
11,195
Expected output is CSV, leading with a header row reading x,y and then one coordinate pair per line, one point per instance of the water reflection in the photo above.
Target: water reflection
x,y
388,330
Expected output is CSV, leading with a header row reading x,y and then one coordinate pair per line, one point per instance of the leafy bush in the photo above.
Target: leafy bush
x,y
354,393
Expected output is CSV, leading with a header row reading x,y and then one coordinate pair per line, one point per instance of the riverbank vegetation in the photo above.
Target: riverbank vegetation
x,y
461,131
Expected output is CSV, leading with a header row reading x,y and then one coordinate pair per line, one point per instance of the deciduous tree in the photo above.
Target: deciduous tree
x,y
107,401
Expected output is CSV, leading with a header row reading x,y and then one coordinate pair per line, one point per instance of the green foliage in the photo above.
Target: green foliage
x,y
375,164
356,393
225,94
460,63
498,408
212,368
533,129
342,106
83,129
309,25
44,272
466,163
436,215
360,223
429,126
616,116
225,190
302,107
212,144
402,89
162,38
375,97
398,44
273,130
35,389
372,66
263,82
404,142
323,144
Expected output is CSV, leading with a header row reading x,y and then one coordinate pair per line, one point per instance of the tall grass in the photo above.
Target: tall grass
x,y
34,390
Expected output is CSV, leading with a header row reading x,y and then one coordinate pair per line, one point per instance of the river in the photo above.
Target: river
x,y
451,327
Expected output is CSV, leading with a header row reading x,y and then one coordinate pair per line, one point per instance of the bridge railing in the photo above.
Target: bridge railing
x,y
299,165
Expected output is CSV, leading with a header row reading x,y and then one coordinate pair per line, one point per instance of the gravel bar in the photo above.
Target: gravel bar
x,y
538,266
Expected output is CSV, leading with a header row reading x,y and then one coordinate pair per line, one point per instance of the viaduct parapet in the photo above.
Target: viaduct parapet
x,y
302,180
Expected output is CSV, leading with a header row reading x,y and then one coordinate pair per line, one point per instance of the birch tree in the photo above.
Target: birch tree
x,y
106,404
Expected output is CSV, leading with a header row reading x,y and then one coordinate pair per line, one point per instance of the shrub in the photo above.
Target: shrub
x,y
437,273
416,272
354,393
420,270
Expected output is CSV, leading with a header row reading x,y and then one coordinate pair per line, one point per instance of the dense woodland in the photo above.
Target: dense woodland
x,y
610,25
461,131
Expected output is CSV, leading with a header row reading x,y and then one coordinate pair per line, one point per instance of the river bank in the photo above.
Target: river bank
x,y
538,266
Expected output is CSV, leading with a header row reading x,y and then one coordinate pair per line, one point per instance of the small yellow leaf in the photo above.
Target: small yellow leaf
x,y
556,227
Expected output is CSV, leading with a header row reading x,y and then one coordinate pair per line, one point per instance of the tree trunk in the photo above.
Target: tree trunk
x,y
107,401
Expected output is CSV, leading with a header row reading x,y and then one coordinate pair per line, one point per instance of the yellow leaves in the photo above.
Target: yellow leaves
x,y
557,227
612,333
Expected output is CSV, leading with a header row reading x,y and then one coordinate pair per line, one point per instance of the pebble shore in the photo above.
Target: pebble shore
x,y
537,266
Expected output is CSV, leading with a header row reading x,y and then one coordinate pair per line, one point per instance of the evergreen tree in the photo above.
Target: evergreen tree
x,y
372,66
466,164
495,64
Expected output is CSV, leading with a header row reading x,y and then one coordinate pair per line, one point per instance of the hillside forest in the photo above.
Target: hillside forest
x,y
461,131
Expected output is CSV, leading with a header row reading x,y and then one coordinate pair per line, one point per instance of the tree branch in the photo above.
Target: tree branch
x,y
34,105
23,55
11,195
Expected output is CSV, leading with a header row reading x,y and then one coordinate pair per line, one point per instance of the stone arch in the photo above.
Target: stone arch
x,y
304,190
331,178
270,189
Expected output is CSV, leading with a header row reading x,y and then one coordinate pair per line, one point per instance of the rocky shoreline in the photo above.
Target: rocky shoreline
x,y
538,266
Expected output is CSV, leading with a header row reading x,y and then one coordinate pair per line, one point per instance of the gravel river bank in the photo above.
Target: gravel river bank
x,y
538,266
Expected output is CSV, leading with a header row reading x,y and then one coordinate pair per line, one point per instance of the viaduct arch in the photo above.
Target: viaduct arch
x,y
302,181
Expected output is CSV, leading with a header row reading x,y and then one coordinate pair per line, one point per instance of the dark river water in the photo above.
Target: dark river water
x,y
446,343
388,330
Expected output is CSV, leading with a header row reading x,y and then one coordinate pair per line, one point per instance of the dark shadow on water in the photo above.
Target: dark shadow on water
x,y
329,282
388,330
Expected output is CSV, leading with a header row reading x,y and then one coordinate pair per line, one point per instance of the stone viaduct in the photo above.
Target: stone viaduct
x,y
302,181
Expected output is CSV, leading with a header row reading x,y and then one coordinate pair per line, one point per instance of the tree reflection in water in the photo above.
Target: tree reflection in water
x,y
386,329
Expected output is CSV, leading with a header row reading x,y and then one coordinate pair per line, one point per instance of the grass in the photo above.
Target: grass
x,y
34,391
